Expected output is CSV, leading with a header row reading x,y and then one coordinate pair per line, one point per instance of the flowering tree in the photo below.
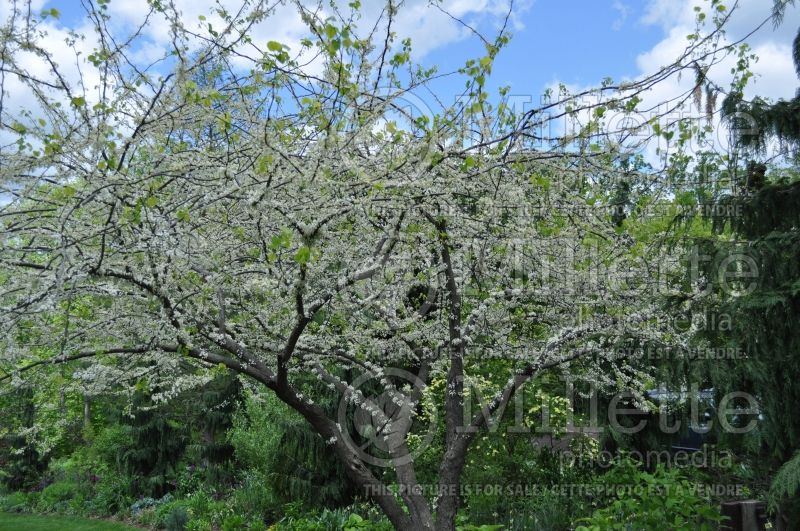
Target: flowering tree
x,y
299,215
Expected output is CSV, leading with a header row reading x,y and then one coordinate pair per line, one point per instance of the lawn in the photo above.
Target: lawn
x,y
26,522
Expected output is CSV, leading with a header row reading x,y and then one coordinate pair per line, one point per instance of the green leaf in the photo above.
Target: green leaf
x,y
284,239
303,255
399,58
183,214
274,46
331,31
263,164
78,101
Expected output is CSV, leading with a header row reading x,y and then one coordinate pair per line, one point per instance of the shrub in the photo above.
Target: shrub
x,y
545,512
16,502
255,497
33,501
203,508
336,519
78,486
325,520
55,497
199,524
269,438
148,511
233,522
146,517
141,504
110,496
520,463
190,478
642,500
257,525
176,519
200,505
163,512
107,443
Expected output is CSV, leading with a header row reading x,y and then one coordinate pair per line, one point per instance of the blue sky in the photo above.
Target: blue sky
x,y
577,42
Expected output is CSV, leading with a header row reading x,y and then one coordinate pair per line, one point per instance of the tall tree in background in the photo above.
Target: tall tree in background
x,y
757,122
155,441
20,460
762,222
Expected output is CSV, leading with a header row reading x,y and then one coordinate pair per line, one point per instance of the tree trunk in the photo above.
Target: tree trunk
x,y
87,416
450,484
419,509
419,518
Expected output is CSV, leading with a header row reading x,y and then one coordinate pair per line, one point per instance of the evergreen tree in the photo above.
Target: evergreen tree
x,y
304,468
765,321
758,121
21,464
156,442
216,403
764,222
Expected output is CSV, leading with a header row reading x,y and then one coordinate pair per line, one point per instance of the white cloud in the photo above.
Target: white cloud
x,y
62,47
428,27
7,6
623,11
664,12
775,76
774,72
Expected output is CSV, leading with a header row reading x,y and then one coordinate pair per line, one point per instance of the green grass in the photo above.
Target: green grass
x,y
27,522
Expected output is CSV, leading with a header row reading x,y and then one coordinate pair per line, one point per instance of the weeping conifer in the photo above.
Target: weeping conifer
x,y
214,406
765,222
765,323
157,441
758,121
305,469
21,465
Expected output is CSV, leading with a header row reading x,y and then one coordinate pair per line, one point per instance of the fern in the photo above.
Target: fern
x,y
786,483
